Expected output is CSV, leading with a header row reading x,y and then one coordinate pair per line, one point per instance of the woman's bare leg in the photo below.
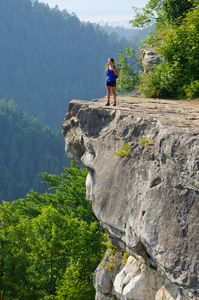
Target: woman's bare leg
x,y
108,93
114,93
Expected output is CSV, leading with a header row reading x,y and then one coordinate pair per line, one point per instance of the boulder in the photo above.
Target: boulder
x,y
149,58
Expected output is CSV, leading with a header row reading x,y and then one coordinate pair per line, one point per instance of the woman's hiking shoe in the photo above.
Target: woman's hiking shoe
x,y
107,104
114,104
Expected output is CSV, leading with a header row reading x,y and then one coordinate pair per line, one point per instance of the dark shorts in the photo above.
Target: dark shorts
x,y
110,83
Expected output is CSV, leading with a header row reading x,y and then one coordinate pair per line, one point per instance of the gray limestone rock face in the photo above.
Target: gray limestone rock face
x,y
131,279
150,58
137,281
147,201
104,275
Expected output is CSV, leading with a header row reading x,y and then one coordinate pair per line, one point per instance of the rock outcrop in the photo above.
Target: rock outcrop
x,y
149,58
105,274
147,198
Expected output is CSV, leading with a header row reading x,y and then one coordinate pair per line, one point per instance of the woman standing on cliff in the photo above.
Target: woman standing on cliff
x,y
111,73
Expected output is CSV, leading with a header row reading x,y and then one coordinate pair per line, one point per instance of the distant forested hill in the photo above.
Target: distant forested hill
x,y
48,57
133,35
26,149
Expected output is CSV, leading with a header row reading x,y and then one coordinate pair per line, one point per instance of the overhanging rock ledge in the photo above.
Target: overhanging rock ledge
x,y
148,201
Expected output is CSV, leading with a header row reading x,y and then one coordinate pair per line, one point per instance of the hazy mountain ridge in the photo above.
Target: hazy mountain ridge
x,y
49,57
133,35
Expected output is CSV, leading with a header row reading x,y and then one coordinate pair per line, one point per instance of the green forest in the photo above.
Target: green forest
x,y
27,148
51,243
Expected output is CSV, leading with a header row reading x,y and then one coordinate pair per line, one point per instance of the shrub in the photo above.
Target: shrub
x,y
178,74
126,149
192,90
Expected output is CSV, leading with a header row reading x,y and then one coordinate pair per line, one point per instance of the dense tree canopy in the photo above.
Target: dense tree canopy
x,y
178,74
176,41
161,12
176,9
151,13
50,244
27,148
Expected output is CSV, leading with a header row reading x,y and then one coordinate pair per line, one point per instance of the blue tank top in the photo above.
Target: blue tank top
x,y
111,76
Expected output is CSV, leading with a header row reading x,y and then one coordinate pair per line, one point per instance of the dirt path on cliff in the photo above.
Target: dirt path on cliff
x,y
178,112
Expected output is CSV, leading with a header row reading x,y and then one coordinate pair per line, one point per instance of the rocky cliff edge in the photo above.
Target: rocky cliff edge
x,y
146,195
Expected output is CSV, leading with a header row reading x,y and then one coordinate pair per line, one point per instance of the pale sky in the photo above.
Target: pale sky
x,y
114,12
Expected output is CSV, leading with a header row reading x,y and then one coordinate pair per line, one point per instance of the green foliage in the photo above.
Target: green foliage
x,y
49,57
128,75
73,287
162,12
125,257
178,74
126,149
50,244
113,249
192,90
118,256
176,41
151,13
113,264
146,142
176,9
27,148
